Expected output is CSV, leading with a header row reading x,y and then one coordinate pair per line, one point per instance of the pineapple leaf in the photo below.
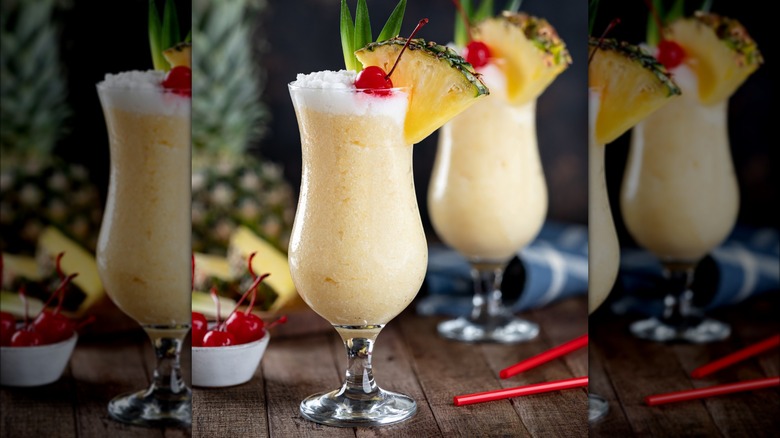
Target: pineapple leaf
x,y
706,5
462,15
593,7
514,5
362,34
653,32
347,37
356,35
170,29
188,39
677,11
484,11
155,29
393,25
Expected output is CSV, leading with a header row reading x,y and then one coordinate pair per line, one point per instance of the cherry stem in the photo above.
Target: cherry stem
x,y
249,262
59,265
61,291
610,26
215,298
23,297
465,18
419,26
252,301
89,320
281,320
255,283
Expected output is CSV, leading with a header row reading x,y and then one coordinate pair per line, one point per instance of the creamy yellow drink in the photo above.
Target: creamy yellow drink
x,y
143,252
679,197
604,250
487,196
358,252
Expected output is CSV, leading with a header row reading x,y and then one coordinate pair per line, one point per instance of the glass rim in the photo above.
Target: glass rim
x,y
292,86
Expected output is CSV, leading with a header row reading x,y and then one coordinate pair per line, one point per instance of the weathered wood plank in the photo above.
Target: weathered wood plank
x,y
103,369
447,368
295,368
37,411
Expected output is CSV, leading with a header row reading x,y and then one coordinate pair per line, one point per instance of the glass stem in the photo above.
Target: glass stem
x,y
487,293
167,381
678,302
359,383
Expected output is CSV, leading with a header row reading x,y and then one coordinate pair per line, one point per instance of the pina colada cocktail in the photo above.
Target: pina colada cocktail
x,y
358,205
680,197
358,252
487,196
144,251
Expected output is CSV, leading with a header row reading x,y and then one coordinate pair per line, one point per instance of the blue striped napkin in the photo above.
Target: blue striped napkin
x,y
552,267
745,265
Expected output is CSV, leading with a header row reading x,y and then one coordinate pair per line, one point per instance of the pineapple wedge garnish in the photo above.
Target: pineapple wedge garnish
x,y
632,84
76,259
527,49
719,50
179,55
267,259
442,83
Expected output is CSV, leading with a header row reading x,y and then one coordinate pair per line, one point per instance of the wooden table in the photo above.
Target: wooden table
x,y
624,370
409,357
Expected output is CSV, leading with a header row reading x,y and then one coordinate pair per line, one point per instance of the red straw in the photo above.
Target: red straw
x,y
737,356
500,394
547,356
711,391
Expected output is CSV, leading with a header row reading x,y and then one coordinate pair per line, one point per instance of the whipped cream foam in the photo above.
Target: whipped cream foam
x,y
141,91
334,92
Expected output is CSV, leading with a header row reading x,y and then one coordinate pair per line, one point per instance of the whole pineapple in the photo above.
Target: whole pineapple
x,y
37,189
230,187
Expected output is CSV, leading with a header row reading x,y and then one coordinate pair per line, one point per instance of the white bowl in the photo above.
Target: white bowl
x,y
35,366
215,367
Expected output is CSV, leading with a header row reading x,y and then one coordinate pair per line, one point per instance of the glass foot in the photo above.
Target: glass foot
x,y
507,330
335,409
707,330
147,408
597,407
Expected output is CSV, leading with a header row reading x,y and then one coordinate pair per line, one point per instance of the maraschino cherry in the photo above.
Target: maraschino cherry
x,y
200,326
476,53
179,80
246,326
7,328
374,80
670,54
218,336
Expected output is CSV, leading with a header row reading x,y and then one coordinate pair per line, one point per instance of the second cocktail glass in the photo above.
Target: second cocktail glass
x,y
679,200
144,250
487,199
358,252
